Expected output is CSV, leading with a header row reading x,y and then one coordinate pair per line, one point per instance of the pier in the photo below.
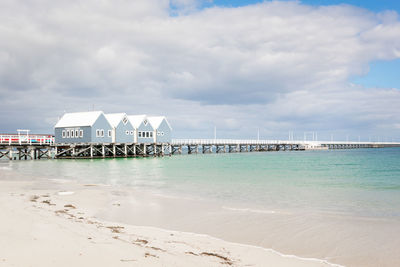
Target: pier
x,y
18,147
34,147
230,145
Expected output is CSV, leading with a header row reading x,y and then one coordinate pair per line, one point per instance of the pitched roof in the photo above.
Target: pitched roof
x,y
157,120
115,118
136,120
78,119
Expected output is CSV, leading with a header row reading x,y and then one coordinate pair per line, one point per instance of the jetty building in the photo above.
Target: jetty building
x,y
162,129
97,127
83,127
122,129
144,131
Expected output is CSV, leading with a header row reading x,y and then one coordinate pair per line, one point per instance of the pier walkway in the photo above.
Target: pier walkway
x,y
232,145
19,147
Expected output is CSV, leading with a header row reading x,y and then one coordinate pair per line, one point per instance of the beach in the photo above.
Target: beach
x,y
49,227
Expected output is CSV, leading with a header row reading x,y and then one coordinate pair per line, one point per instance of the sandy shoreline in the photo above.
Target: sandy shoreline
x,y
52,227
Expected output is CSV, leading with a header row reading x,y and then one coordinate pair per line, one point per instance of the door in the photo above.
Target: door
x,y
113,134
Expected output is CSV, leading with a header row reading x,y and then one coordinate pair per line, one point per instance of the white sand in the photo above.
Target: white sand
x,y
43,227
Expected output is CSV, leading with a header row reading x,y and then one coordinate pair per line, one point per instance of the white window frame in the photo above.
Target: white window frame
x,y
81,133
63,134
72,133
151,134
147,134
132,132
76,133
127,132
97,132
102,132
109,133
140,134
162,133
68,133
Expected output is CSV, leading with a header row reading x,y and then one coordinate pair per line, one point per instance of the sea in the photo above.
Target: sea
x,y
338,205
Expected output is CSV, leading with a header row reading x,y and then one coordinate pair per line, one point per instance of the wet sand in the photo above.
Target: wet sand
x,y
56,225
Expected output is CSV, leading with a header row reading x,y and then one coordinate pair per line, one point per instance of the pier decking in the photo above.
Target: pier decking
x,y
23,147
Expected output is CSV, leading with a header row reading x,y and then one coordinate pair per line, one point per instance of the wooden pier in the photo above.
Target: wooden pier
x,y
191,146
110,150
13,147
18,147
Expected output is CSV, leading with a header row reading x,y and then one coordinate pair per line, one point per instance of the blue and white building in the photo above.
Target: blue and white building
x,y
144,131
114,128
162,129
122,129
83,127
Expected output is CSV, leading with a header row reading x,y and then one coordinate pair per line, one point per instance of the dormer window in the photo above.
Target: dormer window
x,y
145,122
125,120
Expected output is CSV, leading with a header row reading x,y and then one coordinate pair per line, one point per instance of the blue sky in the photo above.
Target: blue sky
x,y
373,5
382,73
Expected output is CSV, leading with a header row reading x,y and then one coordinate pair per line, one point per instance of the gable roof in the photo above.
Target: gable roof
x,y
156,121
78,119
136,120
115,118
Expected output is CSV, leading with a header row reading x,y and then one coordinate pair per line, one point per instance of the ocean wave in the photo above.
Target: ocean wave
x,y
246,245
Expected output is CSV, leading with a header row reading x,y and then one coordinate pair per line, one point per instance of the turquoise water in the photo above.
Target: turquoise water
x,y
364,182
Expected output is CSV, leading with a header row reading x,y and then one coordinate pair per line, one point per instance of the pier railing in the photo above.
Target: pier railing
x,y
223,142
270,142
11,139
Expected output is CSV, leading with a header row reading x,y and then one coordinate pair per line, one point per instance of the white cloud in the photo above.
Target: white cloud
x,y
275,65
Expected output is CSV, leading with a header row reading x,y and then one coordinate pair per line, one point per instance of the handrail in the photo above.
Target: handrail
x,y
49,140
270,142
24,139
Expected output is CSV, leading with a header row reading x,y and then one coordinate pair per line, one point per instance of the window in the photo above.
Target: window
x,y
81,133
140,134
145,122
131,132
125,120
76,133
100,133
147,134
162,133
151,134
72,133
127,132
109,133
63,134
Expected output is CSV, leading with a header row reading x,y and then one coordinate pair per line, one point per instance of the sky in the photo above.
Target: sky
x,y
241,66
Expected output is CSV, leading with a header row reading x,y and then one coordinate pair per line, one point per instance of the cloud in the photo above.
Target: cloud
x,y
275,65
